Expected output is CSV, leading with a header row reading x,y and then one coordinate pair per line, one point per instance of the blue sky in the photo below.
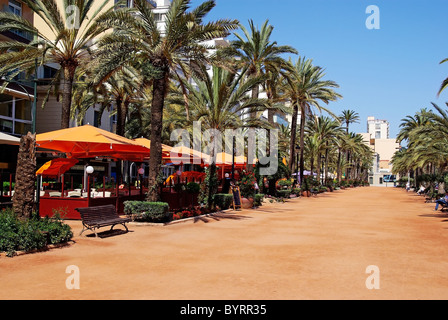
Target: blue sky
x,y
387,73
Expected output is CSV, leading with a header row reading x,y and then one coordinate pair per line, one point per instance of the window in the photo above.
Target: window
x,y
96,118
23,110
15,7
158,17
6,105
49,72
128,3
6,126
15,115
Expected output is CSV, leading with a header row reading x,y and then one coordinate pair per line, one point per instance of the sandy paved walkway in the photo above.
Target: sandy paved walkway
x,y
315,248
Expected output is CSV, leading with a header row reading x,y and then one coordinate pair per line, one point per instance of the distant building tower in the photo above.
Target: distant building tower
x,y
379,129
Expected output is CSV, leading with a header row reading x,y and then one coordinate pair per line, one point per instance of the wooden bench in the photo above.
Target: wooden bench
x,y
443,207
101,216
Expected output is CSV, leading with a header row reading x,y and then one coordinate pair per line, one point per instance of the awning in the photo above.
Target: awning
x,y
88,142
8,139
56,167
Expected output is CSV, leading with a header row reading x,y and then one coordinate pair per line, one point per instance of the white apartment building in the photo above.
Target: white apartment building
x,y
379,129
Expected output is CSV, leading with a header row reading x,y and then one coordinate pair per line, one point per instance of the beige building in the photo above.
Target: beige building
x,y
383,149
49,118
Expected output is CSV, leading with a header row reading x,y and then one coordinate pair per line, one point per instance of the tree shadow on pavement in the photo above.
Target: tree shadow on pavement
x,y
219,216
437,214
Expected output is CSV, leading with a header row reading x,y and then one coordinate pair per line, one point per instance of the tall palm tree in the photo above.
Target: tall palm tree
x,y
256,52
409,123
69,46
361,156
328,130
313,147
444,84
306,89
349,116
141,40
219,103
117,92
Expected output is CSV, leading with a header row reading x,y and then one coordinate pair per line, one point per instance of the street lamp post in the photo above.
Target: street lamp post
x,y
322,159
233,158
297,163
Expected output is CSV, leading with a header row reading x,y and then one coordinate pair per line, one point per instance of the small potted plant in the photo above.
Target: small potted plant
x,y
306,187
247,189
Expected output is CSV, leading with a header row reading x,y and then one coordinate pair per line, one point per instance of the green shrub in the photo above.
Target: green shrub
x,y
258,200
283,193
296,191
148,211
192,187
286,183
58,232
30,234
223,200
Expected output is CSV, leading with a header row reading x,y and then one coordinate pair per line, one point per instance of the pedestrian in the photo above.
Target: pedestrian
x,y
443,201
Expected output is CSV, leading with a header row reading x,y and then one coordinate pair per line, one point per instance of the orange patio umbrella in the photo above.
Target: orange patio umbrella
x,y
147,143
225,159
187,155
56,167
88,141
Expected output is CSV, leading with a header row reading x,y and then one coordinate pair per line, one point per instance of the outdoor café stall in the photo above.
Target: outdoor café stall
x,y
9,148
85,143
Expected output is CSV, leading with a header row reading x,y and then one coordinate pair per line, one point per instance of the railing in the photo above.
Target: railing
x,y
13,33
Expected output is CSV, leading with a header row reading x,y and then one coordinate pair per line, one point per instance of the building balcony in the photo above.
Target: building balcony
x,y
16,35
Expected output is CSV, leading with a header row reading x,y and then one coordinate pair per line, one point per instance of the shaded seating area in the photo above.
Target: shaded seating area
x,y
82,144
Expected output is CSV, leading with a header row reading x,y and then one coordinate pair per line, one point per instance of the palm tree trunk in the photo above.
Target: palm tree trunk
x,y
292,143
155,156
302,141
338,168
121,122
23,199
255,92
326,165
121,117
67,89
212,186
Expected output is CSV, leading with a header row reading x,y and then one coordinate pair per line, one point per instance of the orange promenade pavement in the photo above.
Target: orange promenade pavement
x,y
306,248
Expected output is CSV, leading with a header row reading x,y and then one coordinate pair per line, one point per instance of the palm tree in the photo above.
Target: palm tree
x,y
256,53
444,82
220,102
305,89
117,91
328,130
361,156
349,116
69,46
141,40
409,123
313,147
